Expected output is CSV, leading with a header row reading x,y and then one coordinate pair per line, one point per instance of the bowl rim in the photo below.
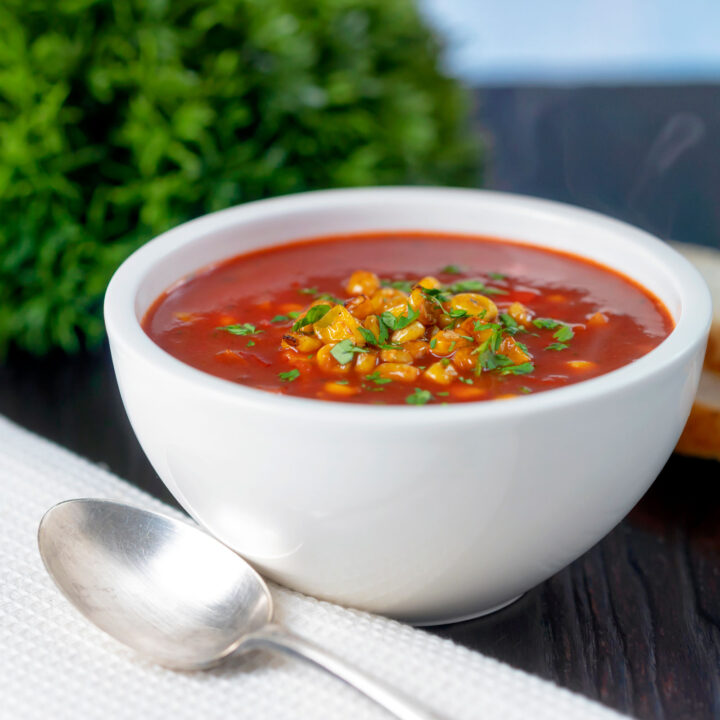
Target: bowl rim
x,y
125,331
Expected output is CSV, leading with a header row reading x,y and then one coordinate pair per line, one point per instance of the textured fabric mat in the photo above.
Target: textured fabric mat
x,y
54,664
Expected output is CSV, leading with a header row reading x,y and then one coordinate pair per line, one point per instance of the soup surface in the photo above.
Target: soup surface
x,y
407,319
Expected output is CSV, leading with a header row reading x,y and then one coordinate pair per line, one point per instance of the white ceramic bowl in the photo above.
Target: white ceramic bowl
x,y
429,514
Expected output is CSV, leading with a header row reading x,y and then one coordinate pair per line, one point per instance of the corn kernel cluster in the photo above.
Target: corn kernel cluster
x,y
390,334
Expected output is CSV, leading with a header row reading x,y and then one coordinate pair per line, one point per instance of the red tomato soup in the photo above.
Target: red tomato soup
x,y
407,318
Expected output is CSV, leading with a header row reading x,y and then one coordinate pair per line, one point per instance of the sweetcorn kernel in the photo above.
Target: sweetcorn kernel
x,y
597,319
328,363
365,362
340,389
465,358
362,282
446,342
581,364
360,306
475,304
385,297
417,348
520,314
298,359
467,392
396,356
336,325
300,343
511,349
440,373
398,372
430,283
413,331
428,311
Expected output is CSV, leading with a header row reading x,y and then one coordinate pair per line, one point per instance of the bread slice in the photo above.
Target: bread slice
x,y
701,436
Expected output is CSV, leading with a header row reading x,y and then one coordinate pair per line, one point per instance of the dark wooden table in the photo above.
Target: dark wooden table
x,y
635,622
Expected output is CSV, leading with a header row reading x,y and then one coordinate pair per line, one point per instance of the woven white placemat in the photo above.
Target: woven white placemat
x,y
54,665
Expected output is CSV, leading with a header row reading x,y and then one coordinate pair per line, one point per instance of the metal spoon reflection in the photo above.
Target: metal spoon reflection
x,y
173,593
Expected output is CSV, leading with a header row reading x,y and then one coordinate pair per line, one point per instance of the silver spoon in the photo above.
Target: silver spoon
x,y
173,593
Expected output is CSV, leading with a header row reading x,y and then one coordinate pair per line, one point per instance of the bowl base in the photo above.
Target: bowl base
x,y
463,618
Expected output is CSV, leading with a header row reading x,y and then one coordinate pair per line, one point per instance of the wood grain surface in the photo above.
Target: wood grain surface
x,y
635,622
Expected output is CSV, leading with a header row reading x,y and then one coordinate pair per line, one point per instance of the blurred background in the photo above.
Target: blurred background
x,y
122,118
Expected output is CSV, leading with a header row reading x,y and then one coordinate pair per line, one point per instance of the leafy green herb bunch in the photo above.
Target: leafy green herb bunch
x,y
122,118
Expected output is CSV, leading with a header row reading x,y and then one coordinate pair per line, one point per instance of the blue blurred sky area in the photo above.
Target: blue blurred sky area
x,y
580,41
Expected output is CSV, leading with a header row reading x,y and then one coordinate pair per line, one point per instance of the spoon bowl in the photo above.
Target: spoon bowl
x,y
161,586
176,595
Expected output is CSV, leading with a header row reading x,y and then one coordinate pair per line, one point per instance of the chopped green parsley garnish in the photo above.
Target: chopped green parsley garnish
x,y
401,321
557,346
463,286
319,295
467,381
312,315
564,333
244,329
451,270
419,397
522,369
405,285
250,343
375,377
546,323
289,376
510,323
295,314
343,352
524,389
496,276
280,318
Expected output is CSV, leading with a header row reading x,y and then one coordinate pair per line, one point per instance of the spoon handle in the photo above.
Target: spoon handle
x,y
274,637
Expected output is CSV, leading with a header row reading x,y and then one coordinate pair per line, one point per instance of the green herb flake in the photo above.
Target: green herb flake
x,y
250,343
546,323
308,291
467,381
375,378
290,375
405,285
522,369
280,318
557,346
295,314
463,286
451,270
401,321
341,382
443,394
244,329
509,321
524,389
433,343
315,313
496,276
419,397
564,333
344,350
368,335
